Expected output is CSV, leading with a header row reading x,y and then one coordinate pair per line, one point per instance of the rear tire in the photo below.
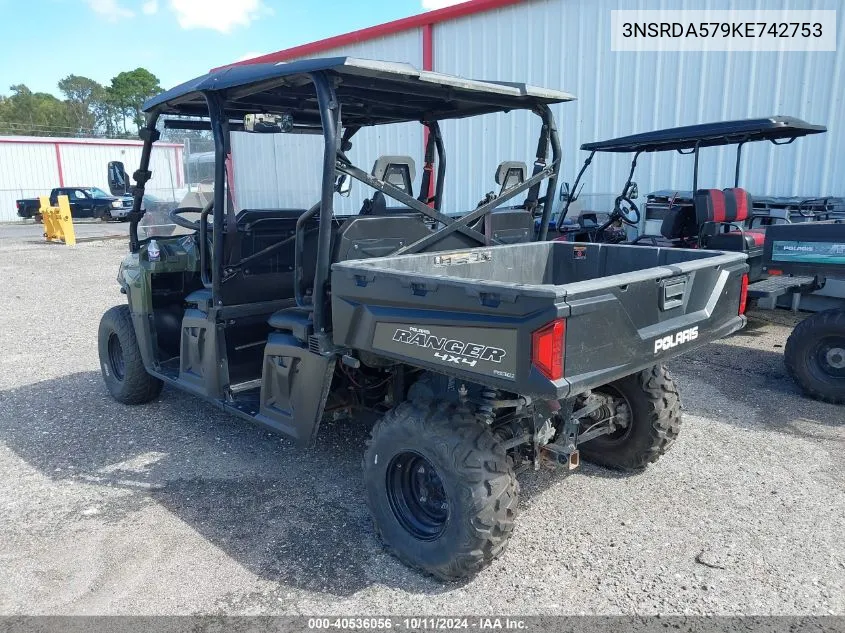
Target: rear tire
x,y
653,425
440,489
815,356
123,370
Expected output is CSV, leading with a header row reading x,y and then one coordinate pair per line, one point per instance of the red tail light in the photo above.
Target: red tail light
x,y
743,296
547,349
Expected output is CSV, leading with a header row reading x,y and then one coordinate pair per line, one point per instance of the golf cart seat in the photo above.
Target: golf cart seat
x,y
679,224
744,240
717,209
723,217
738,206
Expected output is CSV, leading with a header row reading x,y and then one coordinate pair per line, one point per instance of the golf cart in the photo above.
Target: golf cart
x,y
481,358
701,218
806,261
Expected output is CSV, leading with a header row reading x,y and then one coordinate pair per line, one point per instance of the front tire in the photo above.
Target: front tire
x,y
653,409
123,369
440,489
815,356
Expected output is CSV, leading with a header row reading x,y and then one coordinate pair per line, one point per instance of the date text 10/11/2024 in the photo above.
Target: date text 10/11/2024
x,y
418,623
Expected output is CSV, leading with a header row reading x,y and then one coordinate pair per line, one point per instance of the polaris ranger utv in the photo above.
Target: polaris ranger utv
x,y
483,351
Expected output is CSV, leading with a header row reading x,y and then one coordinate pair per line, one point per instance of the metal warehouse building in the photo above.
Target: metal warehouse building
x,y
565,44
31,166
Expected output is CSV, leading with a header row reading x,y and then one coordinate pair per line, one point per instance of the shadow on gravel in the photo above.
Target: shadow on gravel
x,y
756,385
293,516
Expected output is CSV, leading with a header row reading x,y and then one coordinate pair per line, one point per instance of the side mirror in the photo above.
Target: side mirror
x,y
633,191
343,186
118,180
564,191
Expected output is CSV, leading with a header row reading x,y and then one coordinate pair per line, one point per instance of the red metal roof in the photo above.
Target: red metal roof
x,y
380,30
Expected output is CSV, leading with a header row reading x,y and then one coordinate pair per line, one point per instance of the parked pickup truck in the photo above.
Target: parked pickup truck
x,y
85,202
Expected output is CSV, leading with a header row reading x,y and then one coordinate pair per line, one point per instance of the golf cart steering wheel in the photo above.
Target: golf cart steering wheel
x,y
627,214
805,209
178,220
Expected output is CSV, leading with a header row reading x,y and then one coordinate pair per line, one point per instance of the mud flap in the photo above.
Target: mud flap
x,y
294,386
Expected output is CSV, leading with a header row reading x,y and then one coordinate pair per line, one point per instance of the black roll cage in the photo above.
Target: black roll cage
x,y
336,142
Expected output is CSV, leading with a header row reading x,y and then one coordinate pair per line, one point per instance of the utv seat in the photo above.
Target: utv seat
x,y
510,174
200,298
398,171
508,224
270,278
295,320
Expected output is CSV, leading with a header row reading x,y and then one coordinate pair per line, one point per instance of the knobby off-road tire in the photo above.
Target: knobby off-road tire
x,y
654,422
472,481
812,358
120,359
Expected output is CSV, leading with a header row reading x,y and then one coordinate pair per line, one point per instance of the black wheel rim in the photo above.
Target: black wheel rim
x,y
830,356
417,496
116,356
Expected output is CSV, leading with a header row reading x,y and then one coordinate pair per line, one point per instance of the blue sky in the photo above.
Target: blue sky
x,y
174,39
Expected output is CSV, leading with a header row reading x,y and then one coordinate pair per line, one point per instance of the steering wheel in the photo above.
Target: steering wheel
x,y
628,214
805,209
178,220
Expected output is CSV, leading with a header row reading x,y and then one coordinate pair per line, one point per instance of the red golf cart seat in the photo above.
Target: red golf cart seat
x,y
722,220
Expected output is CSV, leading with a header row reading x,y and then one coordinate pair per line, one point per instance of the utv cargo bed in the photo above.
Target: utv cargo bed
x,y
482,313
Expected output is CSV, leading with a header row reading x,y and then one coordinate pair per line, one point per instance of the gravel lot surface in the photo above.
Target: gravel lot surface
x,y
177,508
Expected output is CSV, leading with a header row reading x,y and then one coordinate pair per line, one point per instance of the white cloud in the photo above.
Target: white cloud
x,y
217,15
249,55
110,9
429,5
150,7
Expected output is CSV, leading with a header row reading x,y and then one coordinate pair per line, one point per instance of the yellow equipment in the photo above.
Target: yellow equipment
x,y
58,223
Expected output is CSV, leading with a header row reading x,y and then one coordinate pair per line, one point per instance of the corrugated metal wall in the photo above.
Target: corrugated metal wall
x,y
565,44
26,171
30,169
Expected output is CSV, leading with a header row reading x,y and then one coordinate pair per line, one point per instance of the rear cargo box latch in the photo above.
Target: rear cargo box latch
x,y
673,293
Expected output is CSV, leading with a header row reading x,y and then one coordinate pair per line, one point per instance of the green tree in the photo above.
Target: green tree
x,y
88,107
83,95
37,113
130,89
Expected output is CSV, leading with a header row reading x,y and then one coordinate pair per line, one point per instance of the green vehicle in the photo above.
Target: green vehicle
x,y
482,348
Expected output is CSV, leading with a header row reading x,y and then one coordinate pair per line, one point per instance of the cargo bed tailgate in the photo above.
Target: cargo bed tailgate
x,y
618,325
478,314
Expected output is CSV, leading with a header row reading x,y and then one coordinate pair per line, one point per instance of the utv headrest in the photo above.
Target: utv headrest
x,y
510,174
399,171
